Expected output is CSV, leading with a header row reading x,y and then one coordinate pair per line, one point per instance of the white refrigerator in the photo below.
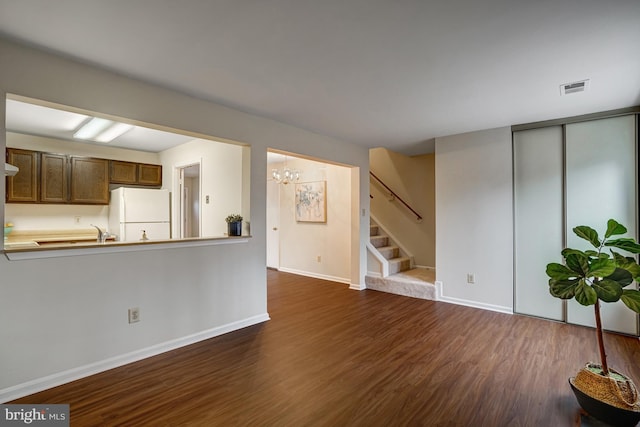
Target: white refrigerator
x,y
137,211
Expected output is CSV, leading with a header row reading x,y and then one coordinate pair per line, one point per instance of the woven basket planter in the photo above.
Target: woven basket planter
x,y
613,400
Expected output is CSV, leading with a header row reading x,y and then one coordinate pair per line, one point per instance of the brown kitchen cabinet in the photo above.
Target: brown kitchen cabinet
x,y
57,178
23,187
54,178
89,181
123,172
149,174
135,173
64,179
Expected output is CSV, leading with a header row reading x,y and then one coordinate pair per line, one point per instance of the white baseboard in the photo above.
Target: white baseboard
x,y
40,384
316,275
357,287
475,304
438,285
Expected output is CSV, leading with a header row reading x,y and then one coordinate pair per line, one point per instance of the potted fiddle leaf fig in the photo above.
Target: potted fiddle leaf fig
x,y
234,224
593,276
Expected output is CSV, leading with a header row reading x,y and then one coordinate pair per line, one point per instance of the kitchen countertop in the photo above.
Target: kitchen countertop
x,y
19,239
34,244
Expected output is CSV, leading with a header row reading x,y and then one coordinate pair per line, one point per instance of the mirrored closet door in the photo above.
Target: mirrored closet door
x,y
580,173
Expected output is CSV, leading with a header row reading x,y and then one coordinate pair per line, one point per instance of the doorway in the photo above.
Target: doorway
x,y
273,224
188,201
325,247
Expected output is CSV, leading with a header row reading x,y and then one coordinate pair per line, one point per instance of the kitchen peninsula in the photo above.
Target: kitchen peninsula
x,y
52,238
56,244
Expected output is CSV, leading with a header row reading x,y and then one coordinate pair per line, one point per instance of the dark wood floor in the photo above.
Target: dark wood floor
x,y
331,356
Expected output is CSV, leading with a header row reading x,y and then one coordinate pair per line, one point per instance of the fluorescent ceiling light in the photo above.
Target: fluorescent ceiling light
x,y
101,130
73,121
92,128
113,132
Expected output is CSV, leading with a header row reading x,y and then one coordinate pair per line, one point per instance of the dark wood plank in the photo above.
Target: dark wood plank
x,y
336,357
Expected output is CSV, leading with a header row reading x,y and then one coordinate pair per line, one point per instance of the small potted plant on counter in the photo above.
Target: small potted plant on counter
x,y
234,224
592,276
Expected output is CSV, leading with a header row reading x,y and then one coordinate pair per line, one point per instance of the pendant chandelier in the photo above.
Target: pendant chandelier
x,y
285,176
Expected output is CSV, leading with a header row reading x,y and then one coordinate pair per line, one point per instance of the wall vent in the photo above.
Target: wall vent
x,y
574,87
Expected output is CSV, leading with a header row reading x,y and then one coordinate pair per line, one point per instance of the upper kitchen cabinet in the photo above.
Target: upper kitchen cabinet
x,y
135,173
57,178
123,172
54,178
149,174
89,181
23,187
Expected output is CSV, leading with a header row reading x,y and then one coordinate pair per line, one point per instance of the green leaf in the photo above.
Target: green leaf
x,y
585,294
568,251
631,298
559,271
592,253
578,263
588,234
602,268
614,228
564,289
625,243
621,276
620,259
607,290
628,263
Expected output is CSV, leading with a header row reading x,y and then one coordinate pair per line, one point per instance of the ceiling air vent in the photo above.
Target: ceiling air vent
x,y
575,87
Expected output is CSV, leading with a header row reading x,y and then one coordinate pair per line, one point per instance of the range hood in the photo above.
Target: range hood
x,y
10,170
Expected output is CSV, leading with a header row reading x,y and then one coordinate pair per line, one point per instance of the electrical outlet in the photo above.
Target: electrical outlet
x,y
471,278
206,199
134,315
76,219
319,258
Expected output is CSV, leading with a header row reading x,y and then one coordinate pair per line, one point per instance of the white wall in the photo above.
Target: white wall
x,y
30,217
63,317
474,220
221,175
301,243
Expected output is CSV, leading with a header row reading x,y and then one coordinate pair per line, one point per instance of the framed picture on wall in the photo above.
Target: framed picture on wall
x,y
311,201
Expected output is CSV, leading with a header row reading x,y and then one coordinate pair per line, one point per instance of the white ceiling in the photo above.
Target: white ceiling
x,y
374,72
34,119
24,117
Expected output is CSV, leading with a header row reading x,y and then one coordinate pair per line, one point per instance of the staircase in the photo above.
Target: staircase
x,y
390,252
398,275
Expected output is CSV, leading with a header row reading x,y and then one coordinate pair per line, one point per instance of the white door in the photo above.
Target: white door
x,y
601,184
538,179
188,186
599,181
273,224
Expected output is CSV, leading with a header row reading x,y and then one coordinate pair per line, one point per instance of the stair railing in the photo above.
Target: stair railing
x,y
395,196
